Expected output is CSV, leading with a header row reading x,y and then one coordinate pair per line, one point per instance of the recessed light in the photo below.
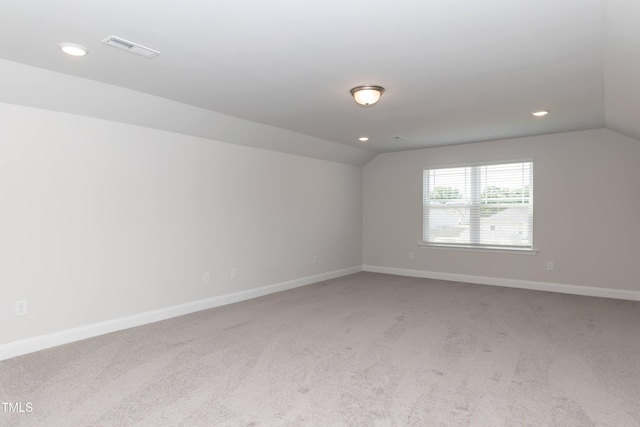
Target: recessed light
x,y
363,138
73,49
540,113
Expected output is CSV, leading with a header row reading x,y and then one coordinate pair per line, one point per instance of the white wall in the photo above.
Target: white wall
x,y
586,211
100,220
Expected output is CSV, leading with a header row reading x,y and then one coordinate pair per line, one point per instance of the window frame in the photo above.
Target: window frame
x,y
529,249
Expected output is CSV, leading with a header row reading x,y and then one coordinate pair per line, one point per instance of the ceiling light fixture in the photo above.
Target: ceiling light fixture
x,y
540,113
73,49
363,139
367,95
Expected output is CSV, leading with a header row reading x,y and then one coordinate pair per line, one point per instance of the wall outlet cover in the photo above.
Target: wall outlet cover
x,y
21,308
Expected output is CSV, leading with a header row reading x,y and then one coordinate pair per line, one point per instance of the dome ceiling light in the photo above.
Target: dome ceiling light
x,y
367,95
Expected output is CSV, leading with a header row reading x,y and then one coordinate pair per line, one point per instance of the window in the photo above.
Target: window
x,y
486,206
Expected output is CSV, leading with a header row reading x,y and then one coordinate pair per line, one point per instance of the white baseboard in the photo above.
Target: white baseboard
x,y
18,348
510,283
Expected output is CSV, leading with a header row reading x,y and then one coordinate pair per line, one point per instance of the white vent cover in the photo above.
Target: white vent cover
x,y
130,47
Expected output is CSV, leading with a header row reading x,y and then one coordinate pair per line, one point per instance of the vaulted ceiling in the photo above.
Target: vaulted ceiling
x,y
455,71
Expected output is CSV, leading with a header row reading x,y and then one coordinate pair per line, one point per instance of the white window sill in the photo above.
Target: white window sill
x,y
514,251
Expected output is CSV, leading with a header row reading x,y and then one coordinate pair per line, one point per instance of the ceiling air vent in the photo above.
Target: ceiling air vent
x,y
130,47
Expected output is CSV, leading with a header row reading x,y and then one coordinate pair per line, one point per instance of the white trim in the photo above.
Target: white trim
x,y
517,251
478,163
29,345
510,283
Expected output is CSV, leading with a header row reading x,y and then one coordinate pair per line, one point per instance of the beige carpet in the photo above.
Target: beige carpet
x,y
363,350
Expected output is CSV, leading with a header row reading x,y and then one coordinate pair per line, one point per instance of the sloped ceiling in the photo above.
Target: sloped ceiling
x,y
454,71
622,66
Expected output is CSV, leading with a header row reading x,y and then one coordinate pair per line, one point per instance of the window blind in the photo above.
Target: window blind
x,y
479,206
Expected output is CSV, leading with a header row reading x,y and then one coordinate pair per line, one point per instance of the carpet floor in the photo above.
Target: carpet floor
x,y
362,350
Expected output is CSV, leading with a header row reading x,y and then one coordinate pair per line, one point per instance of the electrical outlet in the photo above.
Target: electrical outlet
x,y
21,308
315,259
206,277
549,265
411,256
234,273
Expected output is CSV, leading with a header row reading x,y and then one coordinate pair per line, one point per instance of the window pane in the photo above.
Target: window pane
x,y
506,225
449,224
